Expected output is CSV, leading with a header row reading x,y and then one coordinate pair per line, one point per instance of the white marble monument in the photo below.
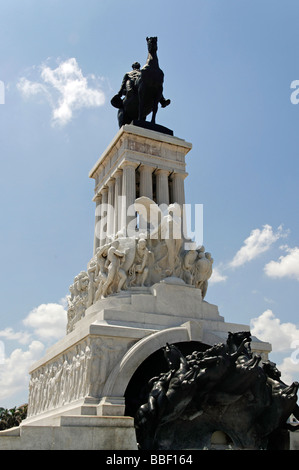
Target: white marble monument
x,y
143,287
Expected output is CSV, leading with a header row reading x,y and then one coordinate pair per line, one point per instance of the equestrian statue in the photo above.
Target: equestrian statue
x,y
142,89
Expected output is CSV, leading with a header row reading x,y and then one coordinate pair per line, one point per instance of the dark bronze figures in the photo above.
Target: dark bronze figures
x,y
223,388
142,89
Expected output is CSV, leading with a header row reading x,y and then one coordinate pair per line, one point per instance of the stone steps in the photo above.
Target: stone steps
x,y
73,433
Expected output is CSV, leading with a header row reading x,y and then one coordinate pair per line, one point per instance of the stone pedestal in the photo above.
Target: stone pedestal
x,y
72,433
143,163
136,295
85,376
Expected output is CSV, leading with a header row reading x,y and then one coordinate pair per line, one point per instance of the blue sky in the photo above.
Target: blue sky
x,y
228,70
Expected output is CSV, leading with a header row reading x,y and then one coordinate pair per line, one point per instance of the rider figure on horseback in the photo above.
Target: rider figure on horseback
x,y
128,85
129,109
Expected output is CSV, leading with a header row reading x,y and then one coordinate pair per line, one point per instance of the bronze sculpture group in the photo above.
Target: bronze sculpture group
x,y
224,388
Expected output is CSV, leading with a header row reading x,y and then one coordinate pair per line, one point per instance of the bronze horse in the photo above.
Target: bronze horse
x,y
142,89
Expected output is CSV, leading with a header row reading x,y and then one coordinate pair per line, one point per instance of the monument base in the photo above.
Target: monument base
x,y
152,126
73,433
84,376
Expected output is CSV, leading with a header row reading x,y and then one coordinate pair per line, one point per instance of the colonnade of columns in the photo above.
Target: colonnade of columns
x,y
120,192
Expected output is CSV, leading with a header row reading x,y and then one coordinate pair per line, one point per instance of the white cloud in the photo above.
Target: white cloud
x,y
28,88
286,266
14,375
259,241
268,328
284,338
64,301
23,337
217,276
66,90
269,301
48,321
289,370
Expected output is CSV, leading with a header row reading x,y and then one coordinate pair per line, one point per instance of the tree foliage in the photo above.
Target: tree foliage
x,y
12,417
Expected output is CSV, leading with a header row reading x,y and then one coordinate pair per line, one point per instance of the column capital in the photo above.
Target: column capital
x,y
145,166
118,172
111,182
128,164
162,171
97,198
178,175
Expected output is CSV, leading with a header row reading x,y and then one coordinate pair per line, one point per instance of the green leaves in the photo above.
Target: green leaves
x,y
12,417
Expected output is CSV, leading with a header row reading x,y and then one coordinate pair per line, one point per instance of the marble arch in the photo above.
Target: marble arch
x,y
119,378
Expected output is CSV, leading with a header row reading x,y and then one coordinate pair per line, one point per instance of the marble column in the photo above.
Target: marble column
x,y
162,186
146,189
111,207
178,187
97,229
128,192
146,181
178,196
117,200
103,234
